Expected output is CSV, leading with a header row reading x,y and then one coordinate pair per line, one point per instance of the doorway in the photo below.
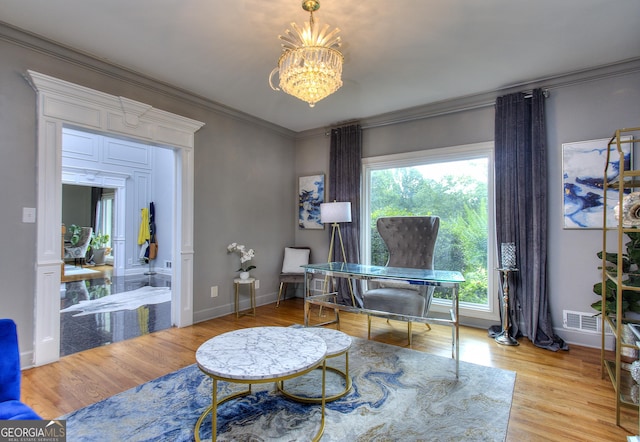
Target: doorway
x,y
62,104
90,206
105,184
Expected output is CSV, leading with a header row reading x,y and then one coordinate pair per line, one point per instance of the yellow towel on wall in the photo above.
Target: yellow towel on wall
x,y
144,234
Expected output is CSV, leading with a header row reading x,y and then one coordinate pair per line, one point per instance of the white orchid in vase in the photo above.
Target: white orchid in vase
x,y
246,255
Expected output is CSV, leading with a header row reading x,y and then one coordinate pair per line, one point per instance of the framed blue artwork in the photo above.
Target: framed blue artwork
x,y
583,165
310,196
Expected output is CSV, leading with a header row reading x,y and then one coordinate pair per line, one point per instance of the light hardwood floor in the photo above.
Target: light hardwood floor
x,y
558,396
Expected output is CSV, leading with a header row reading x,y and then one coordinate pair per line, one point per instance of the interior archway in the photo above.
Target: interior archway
x,y
116,182
60,104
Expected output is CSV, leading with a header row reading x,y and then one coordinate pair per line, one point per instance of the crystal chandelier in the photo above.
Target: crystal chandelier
x,y
310,67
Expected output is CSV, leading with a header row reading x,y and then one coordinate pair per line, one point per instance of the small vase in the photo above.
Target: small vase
x,y
244,275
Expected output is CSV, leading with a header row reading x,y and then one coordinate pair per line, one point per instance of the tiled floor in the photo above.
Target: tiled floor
x,y
81,332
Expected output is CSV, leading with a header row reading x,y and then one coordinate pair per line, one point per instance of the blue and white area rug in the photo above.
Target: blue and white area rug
x,y
398,394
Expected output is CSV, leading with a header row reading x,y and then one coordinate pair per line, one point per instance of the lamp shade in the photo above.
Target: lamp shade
x,y
335,212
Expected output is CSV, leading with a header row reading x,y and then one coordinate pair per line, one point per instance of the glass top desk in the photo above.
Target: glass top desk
x,y
438,278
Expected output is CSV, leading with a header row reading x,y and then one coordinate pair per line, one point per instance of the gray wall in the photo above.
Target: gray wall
x,y
76,205
590,106
244,179
246,172
583,111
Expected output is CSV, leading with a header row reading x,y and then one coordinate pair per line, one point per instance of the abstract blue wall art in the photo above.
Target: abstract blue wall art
x,y
310,196
583,165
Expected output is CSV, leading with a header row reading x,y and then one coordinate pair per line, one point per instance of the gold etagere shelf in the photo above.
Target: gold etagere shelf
x,y
618,368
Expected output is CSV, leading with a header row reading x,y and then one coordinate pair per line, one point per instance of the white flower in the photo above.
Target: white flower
x,y
245,255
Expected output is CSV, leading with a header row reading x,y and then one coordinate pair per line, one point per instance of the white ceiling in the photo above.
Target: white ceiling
x,y
398,54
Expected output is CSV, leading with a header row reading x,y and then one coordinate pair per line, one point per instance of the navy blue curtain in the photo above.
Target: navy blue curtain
x,y
345,170
521,212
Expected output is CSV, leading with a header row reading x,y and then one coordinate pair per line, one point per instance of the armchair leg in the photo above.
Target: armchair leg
x,y
282,285
409,332
369,327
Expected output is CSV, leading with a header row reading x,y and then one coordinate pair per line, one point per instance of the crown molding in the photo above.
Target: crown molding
x,y
487,99
36,43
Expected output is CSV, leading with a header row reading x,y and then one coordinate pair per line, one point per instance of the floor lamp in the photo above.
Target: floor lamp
x,y
335,213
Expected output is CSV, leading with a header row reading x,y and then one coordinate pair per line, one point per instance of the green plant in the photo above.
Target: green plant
x,y
99,240
75,232
631,269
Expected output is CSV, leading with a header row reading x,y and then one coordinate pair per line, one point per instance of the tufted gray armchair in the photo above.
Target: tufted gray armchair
x,y
411,242
79,250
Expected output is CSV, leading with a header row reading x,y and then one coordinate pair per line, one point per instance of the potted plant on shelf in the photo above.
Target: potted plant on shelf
x,y
630,298
631,270
99,243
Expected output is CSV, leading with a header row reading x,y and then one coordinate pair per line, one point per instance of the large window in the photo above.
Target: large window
x,y
454,184
104,214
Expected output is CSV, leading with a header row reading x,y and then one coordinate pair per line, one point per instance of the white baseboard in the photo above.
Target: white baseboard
x,y
228,308
584,339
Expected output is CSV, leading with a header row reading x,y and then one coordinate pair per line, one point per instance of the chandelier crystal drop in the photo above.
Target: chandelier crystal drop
x,y
310,67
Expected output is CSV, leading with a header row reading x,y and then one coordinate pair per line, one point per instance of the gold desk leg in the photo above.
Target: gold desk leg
x,y
306,313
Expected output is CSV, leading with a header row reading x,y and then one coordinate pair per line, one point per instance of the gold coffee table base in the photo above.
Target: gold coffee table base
x,y
338,344
213,408
210,409
317,400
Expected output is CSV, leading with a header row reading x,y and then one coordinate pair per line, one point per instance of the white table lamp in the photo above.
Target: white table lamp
x,y
335,213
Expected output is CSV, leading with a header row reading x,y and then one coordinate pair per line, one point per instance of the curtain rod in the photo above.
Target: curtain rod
x,y
529,94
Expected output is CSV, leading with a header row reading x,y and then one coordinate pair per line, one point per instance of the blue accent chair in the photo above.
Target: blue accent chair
x,y
10,376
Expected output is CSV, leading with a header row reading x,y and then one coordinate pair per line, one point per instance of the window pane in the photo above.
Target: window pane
x,y
106,216
455,191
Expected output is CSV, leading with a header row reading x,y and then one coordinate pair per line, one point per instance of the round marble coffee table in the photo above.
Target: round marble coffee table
x,y
259,355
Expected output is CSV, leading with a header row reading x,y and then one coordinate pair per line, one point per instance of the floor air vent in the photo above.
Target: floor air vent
x,y
582,321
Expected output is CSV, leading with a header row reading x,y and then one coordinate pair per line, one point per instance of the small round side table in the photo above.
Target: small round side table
x,y
237,282
338,343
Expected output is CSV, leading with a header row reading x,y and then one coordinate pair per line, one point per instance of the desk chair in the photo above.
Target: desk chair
x,y
292,272
411,242
79,250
